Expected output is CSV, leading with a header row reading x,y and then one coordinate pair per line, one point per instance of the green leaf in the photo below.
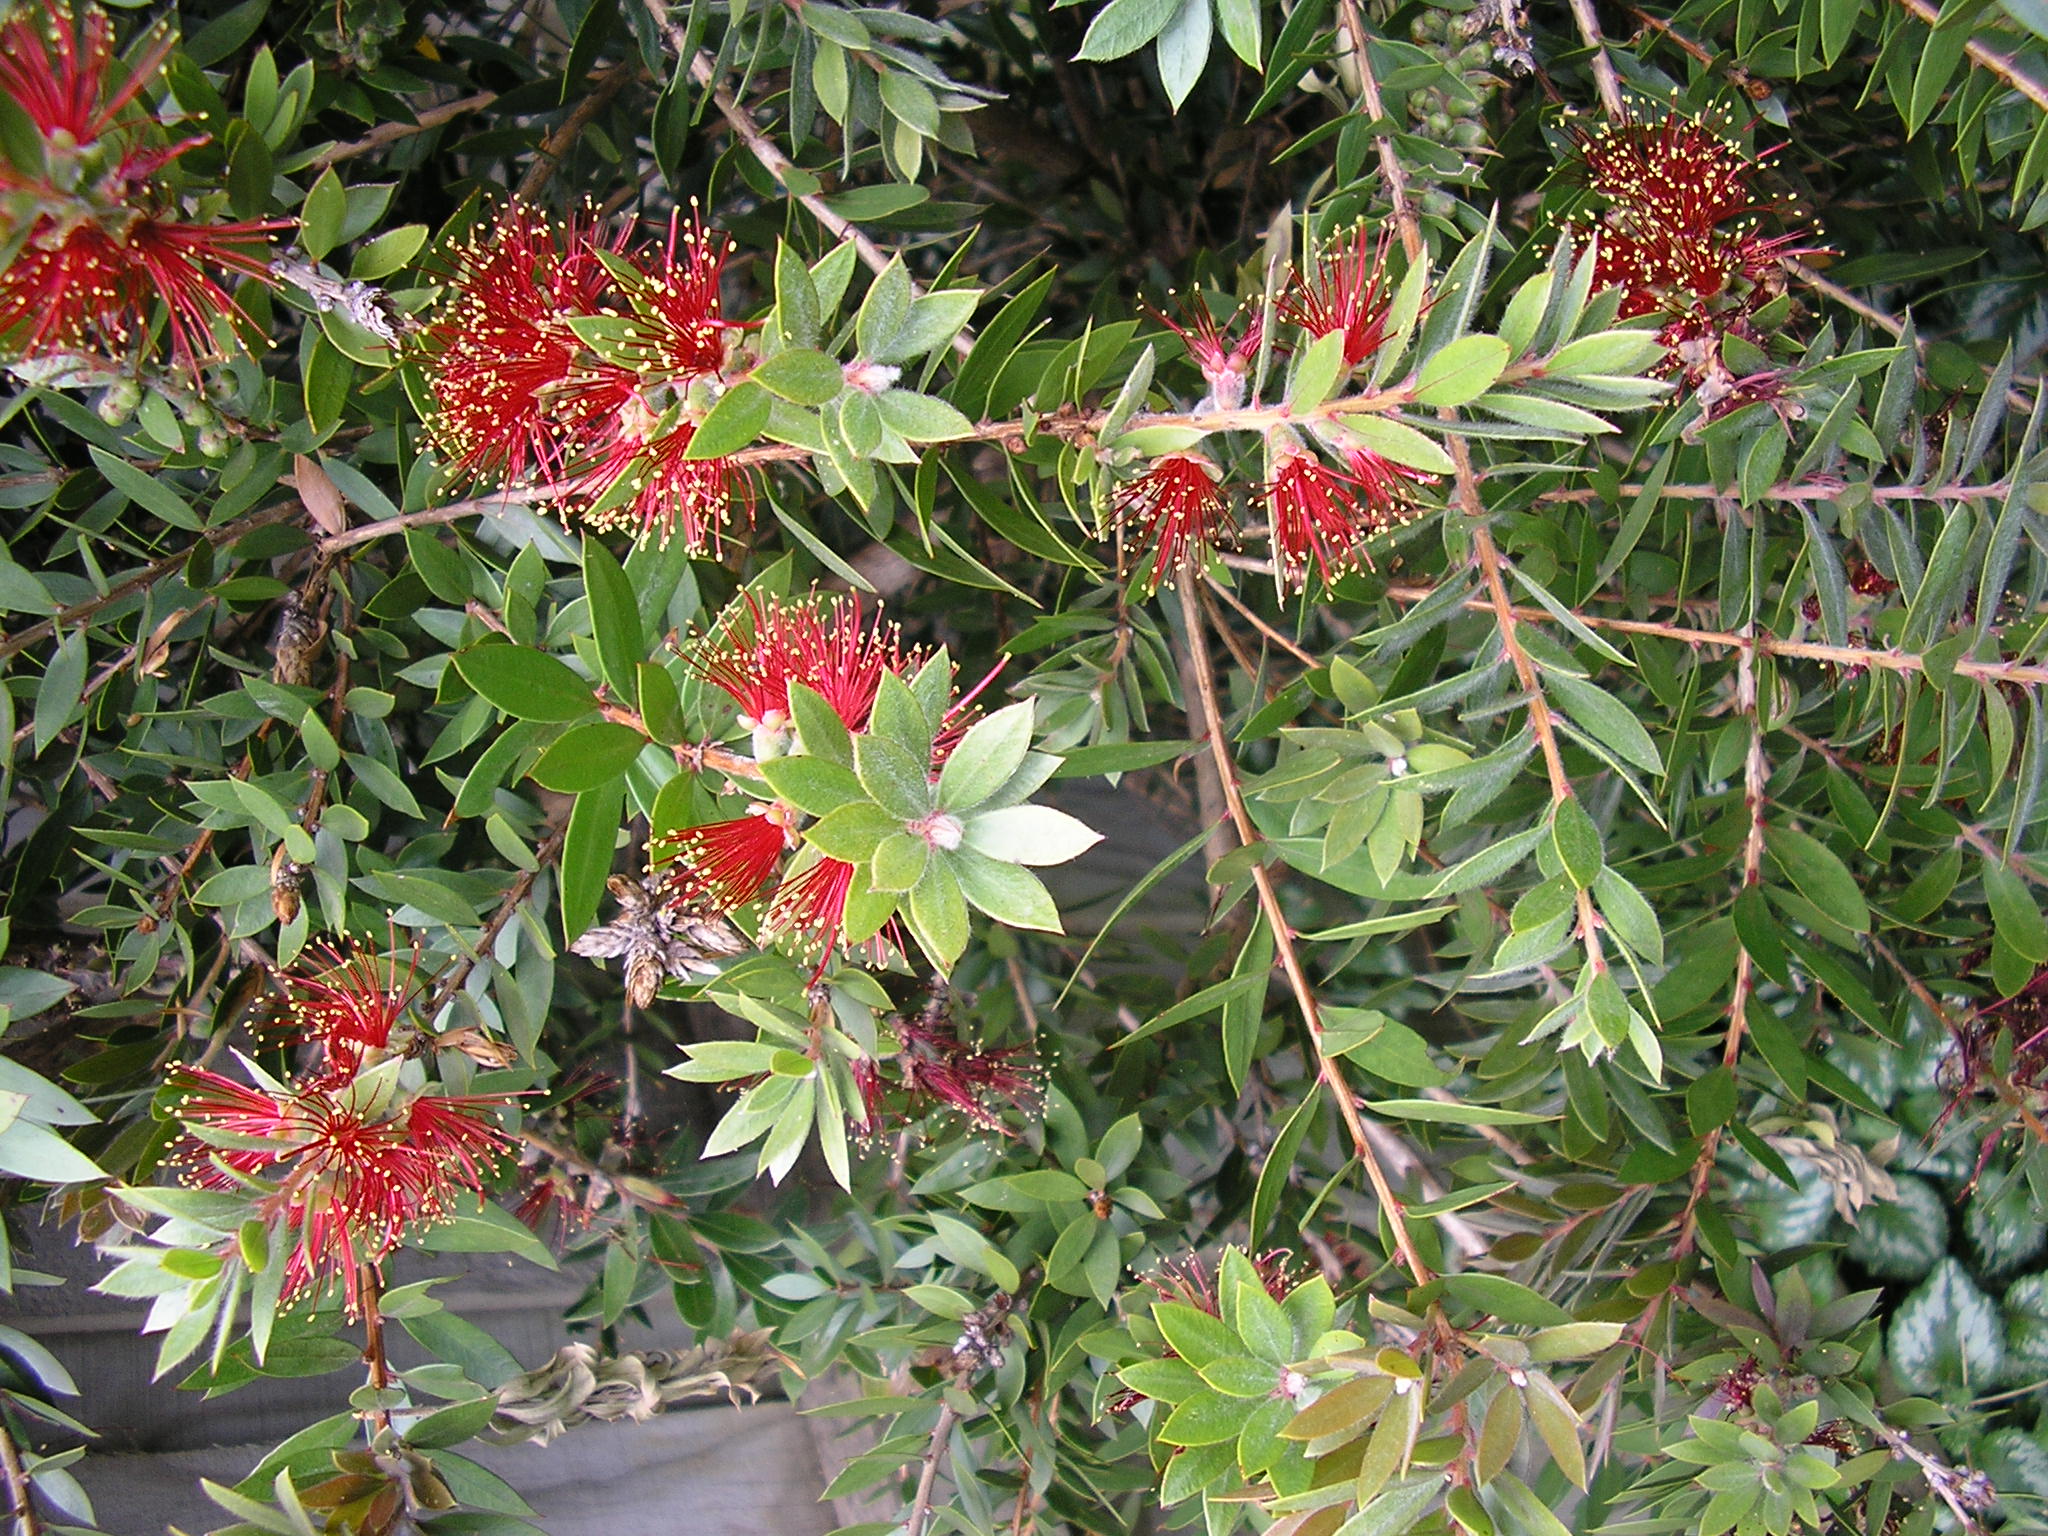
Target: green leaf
x,y
1029,834
2014,914
1197,1337
1239,22
992,750
801,376
921,418
33,1152
1605,718
1605,353
892,778
934,320
1399,443
853,832
1006,892
1819,876
884,310
1462,371
938,916
813,785
484,1227
1182,49
1454,1114
1577,842
736,422
1315,376
1505,1299
1125,26
585,756
587,848
1946,1337
146,491
526,684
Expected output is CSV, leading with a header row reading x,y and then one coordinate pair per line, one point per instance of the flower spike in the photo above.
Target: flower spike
x,y
1175,508
1349,293
1225,365
762,647
724,865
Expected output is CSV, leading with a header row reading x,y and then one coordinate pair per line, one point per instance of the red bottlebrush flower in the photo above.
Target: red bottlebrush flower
x,y
80,287
650,485
512,384
1190,1281
1173,508
1226,365
1384,488
349,1010
725,864
1683,213
55,70
936,1069
867,1078
1349,293
821,642
1866,580
681,332
810,906
1315,512
348,1181
939,1068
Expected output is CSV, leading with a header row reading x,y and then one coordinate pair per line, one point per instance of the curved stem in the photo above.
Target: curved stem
x,y
1210,725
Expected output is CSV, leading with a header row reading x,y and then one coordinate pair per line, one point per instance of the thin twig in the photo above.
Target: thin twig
x,y
921,1505
548,157
1604,77
703,70
390,133
549,850
369,1296
20,1492
1209,724
147,577
1392,173
2000,64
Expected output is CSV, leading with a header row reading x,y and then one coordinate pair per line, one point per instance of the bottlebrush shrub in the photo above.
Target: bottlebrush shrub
x,y
1246,767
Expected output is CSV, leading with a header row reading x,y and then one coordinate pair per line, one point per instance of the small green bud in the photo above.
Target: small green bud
x,y
119,402
211,442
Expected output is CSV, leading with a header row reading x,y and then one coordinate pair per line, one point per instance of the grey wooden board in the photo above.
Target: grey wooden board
x,y
697,1472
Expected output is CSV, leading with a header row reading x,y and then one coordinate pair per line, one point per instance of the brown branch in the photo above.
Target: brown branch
x,y
1392,172
1541,723
2002,65
1261,625
548,157
20,1491
921,1505
369,1295
1210,725
549,850
390,133
1604,77
2026,674
147,577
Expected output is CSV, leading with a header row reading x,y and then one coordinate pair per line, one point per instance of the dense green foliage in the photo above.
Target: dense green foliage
x,y
1555,1036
